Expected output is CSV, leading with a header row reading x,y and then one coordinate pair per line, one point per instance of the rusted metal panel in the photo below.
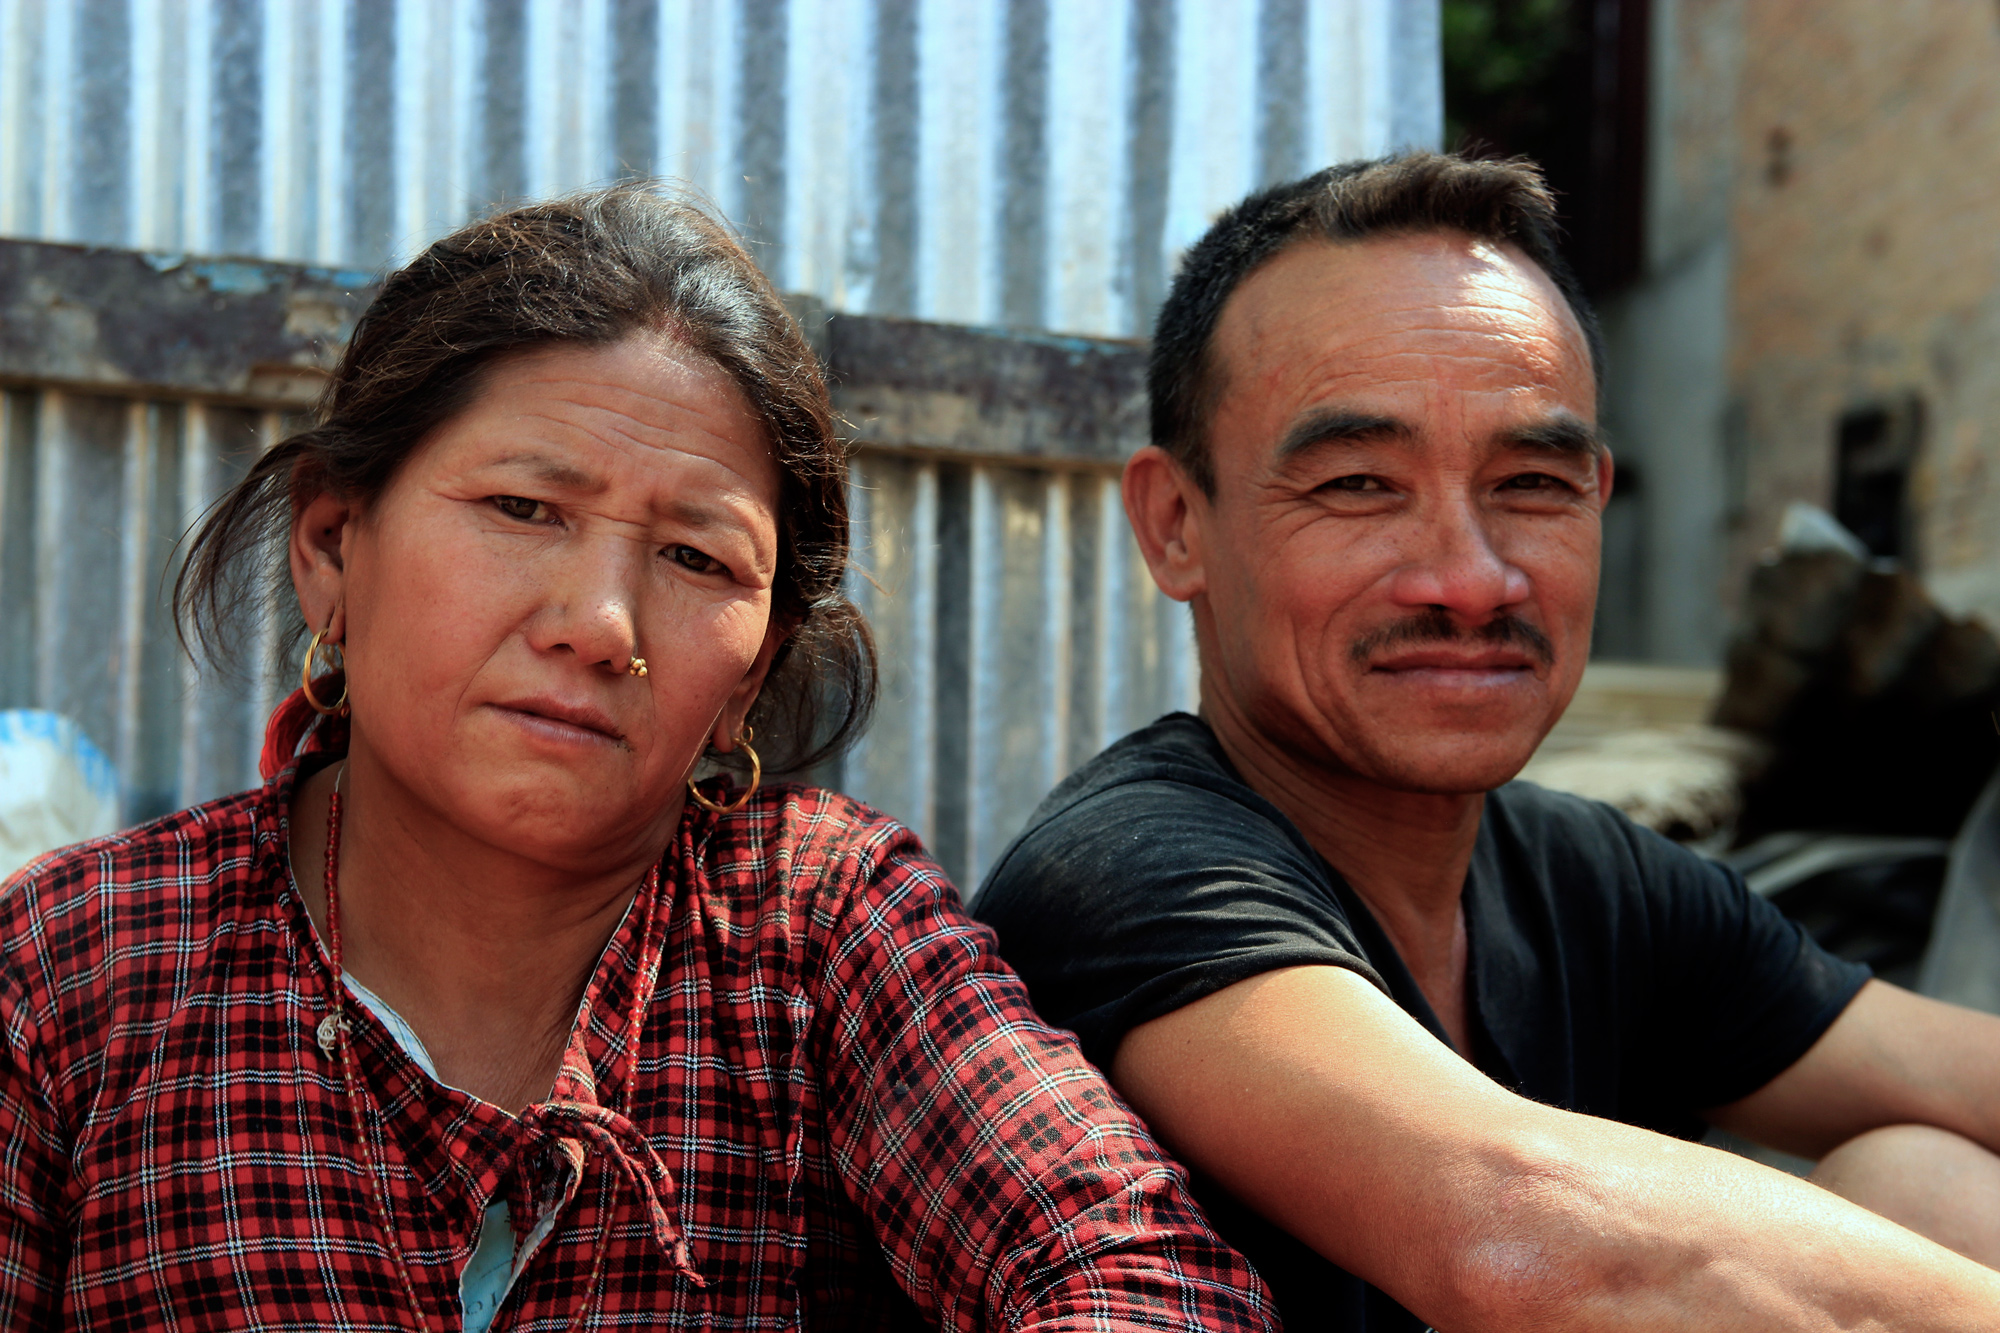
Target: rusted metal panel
x,y
265,333
261,333
1065,401
140,323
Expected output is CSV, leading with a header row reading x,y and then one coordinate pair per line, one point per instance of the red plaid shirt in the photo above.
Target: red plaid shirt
x,y
837,1108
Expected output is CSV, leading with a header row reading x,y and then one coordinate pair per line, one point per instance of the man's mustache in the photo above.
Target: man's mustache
x,y
1437,626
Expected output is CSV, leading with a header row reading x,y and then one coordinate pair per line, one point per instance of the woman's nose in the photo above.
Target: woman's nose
x,y
592,606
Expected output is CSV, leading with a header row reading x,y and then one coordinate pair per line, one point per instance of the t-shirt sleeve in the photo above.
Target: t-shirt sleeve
x,y
1741,991
1149,895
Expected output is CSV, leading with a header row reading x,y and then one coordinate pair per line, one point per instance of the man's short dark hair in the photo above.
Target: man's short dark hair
x,y
1408,194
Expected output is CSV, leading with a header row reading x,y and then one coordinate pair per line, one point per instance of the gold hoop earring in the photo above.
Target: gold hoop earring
x,y
339,706
756,777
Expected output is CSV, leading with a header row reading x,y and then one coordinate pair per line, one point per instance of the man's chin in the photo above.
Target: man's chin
x,y
1446,765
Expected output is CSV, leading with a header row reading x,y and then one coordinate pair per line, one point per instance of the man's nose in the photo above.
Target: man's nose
x,y
1456,565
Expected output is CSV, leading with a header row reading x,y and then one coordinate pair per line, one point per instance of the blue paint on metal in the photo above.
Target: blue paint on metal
x,y
233,277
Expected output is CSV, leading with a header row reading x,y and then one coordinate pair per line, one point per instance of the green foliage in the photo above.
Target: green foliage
x,y
1500,59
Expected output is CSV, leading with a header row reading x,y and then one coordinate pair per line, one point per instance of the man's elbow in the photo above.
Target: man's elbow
x,y
1513,1282
1539,1246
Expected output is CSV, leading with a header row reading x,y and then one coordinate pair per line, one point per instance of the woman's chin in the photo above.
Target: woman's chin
x,y
573,814
579,837
527,772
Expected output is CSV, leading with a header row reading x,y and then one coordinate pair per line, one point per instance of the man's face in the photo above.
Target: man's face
x,y
1399,566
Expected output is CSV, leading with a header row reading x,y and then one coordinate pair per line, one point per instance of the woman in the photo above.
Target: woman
x,y
481,1013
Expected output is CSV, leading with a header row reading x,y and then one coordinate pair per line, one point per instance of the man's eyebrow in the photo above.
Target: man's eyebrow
x,y
1562,434
1339,426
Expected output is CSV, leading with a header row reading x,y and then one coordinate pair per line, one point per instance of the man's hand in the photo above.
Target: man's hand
x,y
1311,1096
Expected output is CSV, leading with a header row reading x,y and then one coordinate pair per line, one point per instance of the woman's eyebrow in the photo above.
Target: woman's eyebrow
x,y
698,514
568,476
554,471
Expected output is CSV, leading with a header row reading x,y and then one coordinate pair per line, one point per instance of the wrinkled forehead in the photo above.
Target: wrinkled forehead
x,y
647,398
1429,310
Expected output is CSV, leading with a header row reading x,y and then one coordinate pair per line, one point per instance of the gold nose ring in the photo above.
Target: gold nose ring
x,y
637,667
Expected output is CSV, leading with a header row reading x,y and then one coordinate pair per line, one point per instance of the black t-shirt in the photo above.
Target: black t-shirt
x,y
1609,971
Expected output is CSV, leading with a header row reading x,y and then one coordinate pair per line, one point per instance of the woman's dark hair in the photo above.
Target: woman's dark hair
x,y
1410,193
585,270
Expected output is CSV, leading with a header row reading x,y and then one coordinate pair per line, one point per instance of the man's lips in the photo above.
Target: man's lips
x,y
1482,660
565,712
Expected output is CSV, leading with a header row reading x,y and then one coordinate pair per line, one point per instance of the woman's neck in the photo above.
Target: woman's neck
x,y
484,953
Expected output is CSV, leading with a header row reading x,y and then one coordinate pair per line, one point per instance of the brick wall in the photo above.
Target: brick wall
x,y
1865,267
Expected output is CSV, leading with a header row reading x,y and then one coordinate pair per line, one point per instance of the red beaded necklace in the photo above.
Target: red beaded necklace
x,y
335,1035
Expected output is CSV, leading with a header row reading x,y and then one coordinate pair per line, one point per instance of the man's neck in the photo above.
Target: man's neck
x,y
1405,854
484,955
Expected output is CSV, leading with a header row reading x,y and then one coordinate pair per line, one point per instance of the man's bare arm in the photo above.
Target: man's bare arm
x,y
1891,1058
1312,1097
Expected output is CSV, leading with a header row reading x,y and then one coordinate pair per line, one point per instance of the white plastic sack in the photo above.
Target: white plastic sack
x,y
1962,964
56,788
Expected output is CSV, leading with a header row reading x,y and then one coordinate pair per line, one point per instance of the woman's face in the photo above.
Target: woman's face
x,y
590,506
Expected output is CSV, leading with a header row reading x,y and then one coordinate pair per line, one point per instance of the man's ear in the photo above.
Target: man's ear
x,y
318,549
729,724
1606,472
1168,513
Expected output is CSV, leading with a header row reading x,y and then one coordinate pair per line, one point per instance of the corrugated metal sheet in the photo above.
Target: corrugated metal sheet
x,y
1019,630
1022,635
94,493
1030,163
1033,163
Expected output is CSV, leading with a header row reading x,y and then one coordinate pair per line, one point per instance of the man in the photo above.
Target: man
x,y
1437,1044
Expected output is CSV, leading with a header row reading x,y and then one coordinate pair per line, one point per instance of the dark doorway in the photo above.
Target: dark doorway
x,y
1875,447
1562,82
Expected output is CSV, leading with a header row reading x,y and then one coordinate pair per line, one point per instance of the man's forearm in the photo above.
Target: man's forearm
x,y
1594,1225
1482,1211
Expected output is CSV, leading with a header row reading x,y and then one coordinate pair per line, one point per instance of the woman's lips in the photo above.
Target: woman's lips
x,y
564,718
